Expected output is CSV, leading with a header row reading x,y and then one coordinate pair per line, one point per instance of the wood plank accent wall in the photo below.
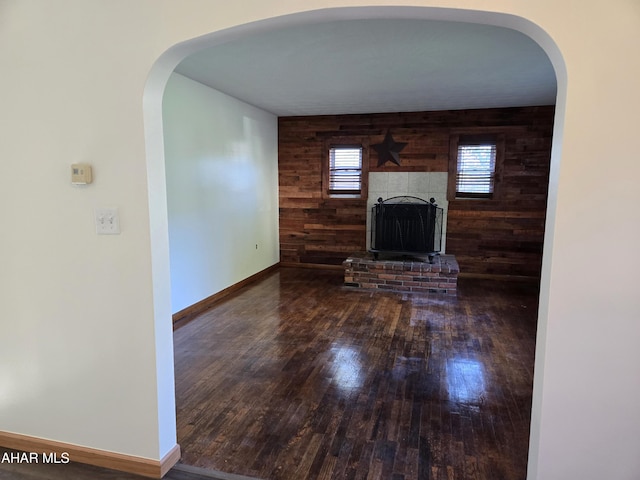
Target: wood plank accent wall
x,y
500,237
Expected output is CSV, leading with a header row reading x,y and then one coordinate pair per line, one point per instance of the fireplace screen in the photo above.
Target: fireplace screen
x,y
406,225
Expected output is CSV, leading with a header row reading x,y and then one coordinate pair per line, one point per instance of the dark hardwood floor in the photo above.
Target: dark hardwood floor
x,y
297,377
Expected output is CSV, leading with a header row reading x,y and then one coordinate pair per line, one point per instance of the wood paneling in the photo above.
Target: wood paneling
x,y
488,237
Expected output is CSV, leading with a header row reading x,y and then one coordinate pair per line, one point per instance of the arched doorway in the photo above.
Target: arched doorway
x,y
165,65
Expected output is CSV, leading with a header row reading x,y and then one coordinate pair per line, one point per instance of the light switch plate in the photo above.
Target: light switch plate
x,y
107,221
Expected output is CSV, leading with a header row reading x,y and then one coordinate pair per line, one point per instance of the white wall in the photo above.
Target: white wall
x,y
78,354
222,189
85,344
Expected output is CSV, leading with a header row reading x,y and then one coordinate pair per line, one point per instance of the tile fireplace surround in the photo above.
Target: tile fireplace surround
x,y
402,274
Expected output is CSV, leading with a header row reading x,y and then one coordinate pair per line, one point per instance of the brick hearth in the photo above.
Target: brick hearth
x,y
402,274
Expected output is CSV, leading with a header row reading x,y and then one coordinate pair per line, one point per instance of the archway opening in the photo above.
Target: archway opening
x,y
156,147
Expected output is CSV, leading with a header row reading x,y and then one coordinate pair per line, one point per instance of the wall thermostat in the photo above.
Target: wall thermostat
x,y
81,174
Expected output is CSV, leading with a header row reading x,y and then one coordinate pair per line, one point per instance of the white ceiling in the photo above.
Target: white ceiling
x,y
375,66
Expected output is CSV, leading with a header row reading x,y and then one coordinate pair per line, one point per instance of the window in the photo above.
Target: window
x,y
476,169
475,166
345,171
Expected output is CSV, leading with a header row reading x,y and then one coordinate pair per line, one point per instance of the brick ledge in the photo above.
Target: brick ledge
x,y
402,274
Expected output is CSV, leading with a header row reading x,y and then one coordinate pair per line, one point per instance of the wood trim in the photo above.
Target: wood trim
x,y
499,277
185,315
482,130
169,460
453,167
317,266
454,141
100,458
350,141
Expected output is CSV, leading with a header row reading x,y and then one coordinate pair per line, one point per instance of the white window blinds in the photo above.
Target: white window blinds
x,y
476,169
345,170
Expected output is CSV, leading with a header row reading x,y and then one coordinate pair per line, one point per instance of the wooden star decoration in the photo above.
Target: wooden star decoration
x,y
389,150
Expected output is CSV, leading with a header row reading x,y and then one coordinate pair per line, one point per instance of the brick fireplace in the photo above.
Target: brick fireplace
x,y
402,274
418,274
